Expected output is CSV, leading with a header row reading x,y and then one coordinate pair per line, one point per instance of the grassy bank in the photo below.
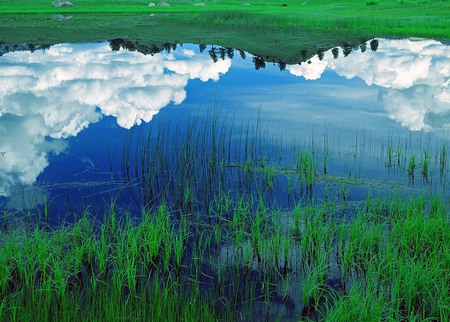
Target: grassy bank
x,y
262,28
279,43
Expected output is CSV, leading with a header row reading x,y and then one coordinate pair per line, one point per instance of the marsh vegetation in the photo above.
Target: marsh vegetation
x,y
225,221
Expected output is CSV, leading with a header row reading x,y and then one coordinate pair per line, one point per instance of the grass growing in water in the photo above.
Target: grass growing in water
x,y
209,244
393,253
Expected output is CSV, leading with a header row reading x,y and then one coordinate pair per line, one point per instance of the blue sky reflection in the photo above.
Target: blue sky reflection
x,y
49,97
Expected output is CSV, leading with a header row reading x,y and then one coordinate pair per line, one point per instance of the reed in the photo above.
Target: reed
x,y
214,236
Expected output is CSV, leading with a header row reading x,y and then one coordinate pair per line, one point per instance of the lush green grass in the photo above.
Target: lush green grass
x,y
264,28
390,262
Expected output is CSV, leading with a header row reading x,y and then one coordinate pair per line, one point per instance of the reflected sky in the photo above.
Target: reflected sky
x,y
56,93
413,77
49,98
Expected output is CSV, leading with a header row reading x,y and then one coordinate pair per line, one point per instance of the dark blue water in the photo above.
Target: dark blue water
x,y
66,114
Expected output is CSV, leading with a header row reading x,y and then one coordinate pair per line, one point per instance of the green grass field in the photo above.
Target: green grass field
x,y
262,28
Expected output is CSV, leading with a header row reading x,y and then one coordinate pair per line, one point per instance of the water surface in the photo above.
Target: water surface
x,y
66,110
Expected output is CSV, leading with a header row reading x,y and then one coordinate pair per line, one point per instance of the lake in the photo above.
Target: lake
x,y
66,109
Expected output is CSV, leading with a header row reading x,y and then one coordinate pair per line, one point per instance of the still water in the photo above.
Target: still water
x,y
67,111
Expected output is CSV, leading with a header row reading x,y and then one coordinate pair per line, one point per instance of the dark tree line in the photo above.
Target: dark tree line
x,y
223,52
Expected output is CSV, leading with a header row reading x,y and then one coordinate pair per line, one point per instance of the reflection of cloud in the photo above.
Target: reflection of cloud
x,y
310,70
74,79
58,93
25,151
415,76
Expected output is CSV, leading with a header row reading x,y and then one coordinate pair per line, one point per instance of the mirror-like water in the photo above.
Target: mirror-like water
x,y
63,108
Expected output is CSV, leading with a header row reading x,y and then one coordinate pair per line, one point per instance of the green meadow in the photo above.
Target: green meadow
x,y
288,27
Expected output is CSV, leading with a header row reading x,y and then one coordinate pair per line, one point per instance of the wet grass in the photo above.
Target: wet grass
x,y
203,237
389,261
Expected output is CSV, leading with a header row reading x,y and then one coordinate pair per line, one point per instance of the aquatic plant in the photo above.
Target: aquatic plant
x,y
306,167
209,231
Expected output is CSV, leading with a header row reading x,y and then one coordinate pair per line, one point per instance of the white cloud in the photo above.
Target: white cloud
x,y
59,92
415,76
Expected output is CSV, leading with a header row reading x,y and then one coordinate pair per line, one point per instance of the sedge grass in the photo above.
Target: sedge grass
x,y
231,253
398,262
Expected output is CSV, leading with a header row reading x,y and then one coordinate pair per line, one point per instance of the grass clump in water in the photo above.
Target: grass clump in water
x,y
394,264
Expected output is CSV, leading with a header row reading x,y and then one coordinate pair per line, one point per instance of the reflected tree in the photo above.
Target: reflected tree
x,y
346,50
201,48
129,45
242,54
213,54
304,54
230,52
320,54
31,47
374,45
222,53
335,52
363,47
168,47
116,44
154,50
281,65
259,62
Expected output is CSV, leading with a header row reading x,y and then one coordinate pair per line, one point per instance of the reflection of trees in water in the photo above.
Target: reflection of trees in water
x,y
216,52
213,54
11,47
321,53
374,45
259,62
220,52
230,52
223,52
363,47
116,44
120,43
346,50
304,54
335,52
281,65
168,47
